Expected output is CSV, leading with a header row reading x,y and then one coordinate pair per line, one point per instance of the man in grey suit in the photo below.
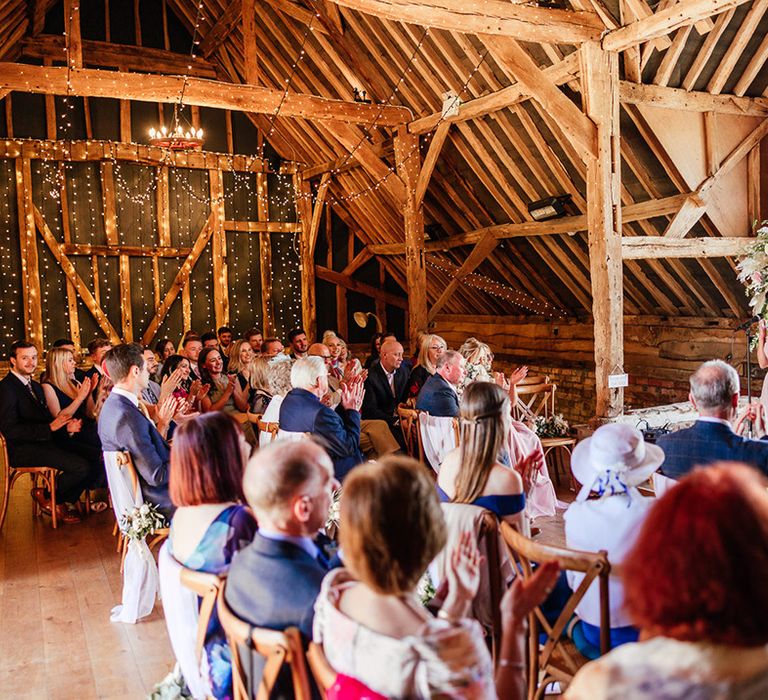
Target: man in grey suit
x,y
273,582
123,427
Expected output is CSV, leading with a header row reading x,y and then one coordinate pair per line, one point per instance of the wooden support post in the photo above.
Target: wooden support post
x,y
72,33
219,250
407,163
753,186
600,87
74,320
250,47
308,299
265,255
381,305
30,271
125,121
125,298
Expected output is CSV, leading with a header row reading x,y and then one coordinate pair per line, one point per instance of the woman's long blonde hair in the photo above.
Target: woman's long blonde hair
x,y
259,378
426,342
234,360
482,428
56,374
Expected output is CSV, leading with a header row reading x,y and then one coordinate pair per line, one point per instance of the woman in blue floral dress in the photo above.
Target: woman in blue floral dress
x,y
211,523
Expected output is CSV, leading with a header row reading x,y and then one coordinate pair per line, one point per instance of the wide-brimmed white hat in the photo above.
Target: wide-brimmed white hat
x,y
618,451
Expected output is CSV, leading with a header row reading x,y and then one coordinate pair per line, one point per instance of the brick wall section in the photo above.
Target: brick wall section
x,y
660,355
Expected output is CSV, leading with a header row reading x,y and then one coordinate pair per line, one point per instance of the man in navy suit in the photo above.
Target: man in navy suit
x,y
715,395
123,427
303,412
386,385
438,396
34,437
273,582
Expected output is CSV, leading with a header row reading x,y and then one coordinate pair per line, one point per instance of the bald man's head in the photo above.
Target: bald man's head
x,y
391,355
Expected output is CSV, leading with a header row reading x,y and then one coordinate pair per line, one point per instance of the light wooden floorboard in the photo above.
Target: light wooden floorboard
x,y
57,588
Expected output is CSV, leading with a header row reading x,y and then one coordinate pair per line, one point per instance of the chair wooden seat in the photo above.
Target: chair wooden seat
x,y
278,648
44,475
558,659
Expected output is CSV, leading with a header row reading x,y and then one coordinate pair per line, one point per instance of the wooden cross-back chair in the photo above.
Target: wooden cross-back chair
x,y
322,671
489,533
558,659
272,428
206,587
277,648
534,400
160,535
46,475
409,425
538,400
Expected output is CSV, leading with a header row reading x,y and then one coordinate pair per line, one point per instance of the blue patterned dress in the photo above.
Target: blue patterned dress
x,y
232,530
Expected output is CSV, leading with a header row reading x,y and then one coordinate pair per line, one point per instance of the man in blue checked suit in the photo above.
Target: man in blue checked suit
x,y
715,395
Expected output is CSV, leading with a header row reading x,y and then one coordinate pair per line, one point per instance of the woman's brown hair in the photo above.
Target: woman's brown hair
x,y
392,526
481,436
207,461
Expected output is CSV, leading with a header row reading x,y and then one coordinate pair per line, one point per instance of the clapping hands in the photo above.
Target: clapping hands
x,y
352,393
525,595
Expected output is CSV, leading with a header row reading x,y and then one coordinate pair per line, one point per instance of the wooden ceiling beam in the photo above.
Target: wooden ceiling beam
x,y
564,226
132,58
661,23
72,33
509,54
524,22
642,247
674,98
88,82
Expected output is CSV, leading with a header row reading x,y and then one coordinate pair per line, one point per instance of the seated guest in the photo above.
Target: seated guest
x,y
35,438
191,347
68,344
211,340
297,339
349,365
151,395
376,439
184,383
439,395
255,339
694,583
611,464
210,523
479,360
224,334
274,581
385,387
96,351
432,346
479,470
123,427
367,616
303,412
64,394
225,393
375,349
715,395
163,350
279,367
259,381
240,360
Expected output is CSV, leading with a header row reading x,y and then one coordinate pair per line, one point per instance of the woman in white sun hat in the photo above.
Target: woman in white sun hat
x,y
611,463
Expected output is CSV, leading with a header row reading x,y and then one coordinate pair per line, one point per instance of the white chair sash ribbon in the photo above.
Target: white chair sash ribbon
x,y
437,437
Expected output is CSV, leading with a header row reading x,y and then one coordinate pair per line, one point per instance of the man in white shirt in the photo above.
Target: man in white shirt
x,y
34,437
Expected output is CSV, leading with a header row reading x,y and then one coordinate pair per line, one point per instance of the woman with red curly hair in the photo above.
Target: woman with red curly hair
x,y
695,585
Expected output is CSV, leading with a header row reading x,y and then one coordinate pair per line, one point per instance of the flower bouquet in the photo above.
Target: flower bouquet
x,y
753,273
332,521
142,521
553,427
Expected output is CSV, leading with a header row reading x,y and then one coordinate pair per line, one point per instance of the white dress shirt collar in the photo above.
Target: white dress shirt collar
x,y
128,395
